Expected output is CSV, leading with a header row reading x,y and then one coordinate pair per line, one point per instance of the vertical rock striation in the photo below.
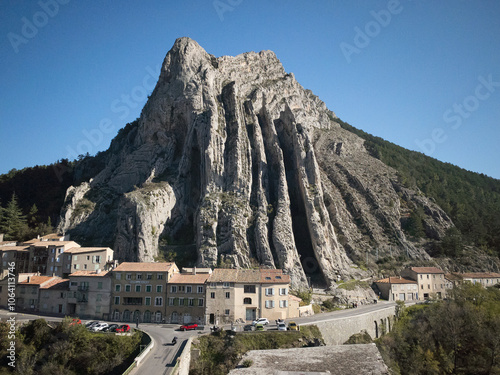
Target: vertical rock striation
x,y
232,155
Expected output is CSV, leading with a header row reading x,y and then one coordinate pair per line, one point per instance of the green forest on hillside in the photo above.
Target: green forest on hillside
x,y
472,200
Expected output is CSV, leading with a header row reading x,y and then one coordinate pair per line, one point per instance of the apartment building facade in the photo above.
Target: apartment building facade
x,y
54,297
89,294
139,291
430,280
186,296
48,258
28,292
245,295
17,255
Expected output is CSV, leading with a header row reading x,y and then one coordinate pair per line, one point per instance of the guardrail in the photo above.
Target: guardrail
x,y
141,355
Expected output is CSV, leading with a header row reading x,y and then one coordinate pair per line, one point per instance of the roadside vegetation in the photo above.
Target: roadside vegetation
x,y
458,336
65,349
219,353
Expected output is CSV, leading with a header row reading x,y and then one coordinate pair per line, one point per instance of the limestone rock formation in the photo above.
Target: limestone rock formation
x,y
232,155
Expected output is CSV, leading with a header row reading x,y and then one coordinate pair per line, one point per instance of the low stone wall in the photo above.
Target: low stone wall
x,y
306,310
183,361
338,330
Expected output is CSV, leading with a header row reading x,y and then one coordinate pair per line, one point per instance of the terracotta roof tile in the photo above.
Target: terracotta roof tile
x,y
480,275
249,276
37,280
179,278
143,267
14,248
396,280
89,273
427,270
76,250
56,284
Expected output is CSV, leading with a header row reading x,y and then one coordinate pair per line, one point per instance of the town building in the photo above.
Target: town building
x,y
16,255
246,294
397,289
53,297
486,279
139,291
47,257
430,280
28,292
186,296
87,259
89,294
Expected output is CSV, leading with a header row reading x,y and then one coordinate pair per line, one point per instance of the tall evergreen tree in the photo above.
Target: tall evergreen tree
x,y
14,224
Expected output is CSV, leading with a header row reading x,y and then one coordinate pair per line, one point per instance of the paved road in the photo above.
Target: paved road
x,y
163,357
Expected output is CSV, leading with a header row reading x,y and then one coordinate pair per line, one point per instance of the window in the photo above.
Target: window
x,y
226,285
269,304
97,259
247,301
189,289
85,266
117,300
149,276
248,288
190,302
128,276
427,277
284,303
268,278
269,291
148,288
73,283
181,301
159,276
158,301
59,251
200,289
138,288
173,289
138,276
147,301
171,301
76,266
228,294
200,301
99,285
422,287
118,276
58,259
421,276
283,292
213,285
227,312
53,251
128,288
212,295
118,288
98,297
158,288
181,288
98,309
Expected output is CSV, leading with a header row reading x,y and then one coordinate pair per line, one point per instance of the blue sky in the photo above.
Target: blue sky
x,y
422,74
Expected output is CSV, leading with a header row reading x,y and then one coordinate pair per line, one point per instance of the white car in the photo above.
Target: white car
x,y
99,327
263,321
281,327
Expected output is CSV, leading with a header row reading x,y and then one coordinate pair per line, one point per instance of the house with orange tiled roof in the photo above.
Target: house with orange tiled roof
x,y
430,280
47,257
247,294
139,291
397,289
486,279
186,296
28,291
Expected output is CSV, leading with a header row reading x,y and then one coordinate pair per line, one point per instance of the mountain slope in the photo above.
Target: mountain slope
x,y
232,157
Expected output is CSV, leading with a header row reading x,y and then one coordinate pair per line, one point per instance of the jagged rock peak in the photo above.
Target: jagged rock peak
x,y
233,161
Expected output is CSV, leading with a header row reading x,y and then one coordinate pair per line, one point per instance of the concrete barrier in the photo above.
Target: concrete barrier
x,y
336,331
146,350
182,365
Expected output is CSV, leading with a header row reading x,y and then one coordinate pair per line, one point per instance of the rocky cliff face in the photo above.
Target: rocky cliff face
x,y
232,155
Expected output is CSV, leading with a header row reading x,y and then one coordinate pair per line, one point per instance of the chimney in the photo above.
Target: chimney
x,y
98,271
28,279
1,237
194,270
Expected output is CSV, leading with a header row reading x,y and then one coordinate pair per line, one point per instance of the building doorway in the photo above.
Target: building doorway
x,y
212,319
251,314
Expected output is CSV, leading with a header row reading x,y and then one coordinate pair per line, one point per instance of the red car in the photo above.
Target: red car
x,y
123,328
187,327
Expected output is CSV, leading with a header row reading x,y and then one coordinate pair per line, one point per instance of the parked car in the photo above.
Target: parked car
x,y
259,327
263,321
123,328
111,328
75,322
98,327
292,326
187,327
248,327
91,323
281,327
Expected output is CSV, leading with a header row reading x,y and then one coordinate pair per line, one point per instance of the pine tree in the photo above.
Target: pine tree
x,y
14,224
